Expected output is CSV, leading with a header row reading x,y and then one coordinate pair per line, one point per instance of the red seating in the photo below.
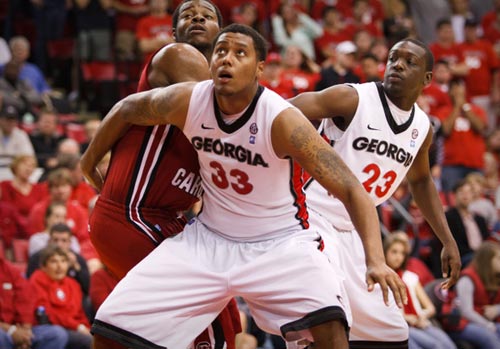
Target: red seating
x,y
20,250
61,49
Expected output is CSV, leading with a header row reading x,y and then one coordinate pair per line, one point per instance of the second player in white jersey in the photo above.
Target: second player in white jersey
x,y
378,150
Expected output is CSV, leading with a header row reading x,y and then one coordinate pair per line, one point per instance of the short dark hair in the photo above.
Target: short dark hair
x,y
177,12
50,251
60,228
461,183
442,22
260,44
429,57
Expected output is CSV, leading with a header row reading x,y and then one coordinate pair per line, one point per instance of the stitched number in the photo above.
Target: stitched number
x,y
374,172
219,178
241,185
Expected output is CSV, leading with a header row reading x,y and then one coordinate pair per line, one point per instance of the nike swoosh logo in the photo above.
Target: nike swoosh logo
x,y
206,127
373,128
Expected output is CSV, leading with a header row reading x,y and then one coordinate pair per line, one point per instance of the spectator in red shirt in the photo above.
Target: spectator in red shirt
x,y
436,93
463,126
154,30
446,48
62,297
333,33
20,191
300,69
362,18
482,82
60,189
272,77
18,327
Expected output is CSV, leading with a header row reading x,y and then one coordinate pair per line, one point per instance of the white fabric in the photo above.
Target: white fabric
x,y
178,289
264,205
372,320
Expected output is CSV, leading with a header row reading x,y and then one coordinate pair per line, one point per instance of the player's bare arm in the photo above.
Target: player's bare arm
x,y
177,62
158,106
338,100
425,194
294,136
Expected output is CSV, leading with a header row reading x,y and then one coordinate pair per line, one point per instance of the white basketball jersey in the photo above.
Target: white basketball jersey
x,y
378,151
249,192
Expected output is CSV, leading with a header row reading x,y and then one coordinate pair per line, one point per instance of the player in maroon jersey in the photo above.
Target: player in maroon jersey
x,y
153,174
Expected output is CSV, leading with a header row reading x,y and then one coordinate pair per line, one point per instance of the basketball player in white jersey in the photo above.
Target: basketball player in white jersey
x,y
250,238
383,136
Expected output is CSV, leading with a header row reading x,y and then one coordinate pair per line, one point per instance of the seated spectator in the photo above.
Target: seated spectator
x,y
46,137
248,14
61,296
90,127
333,33
20,48
82,192
419,310
300,69
55,214
20,191
340,69
481,205
273,78
18,327
13,140
154,30
127,16
478,299
17,92
67,146
60,236
293,27
469,229
60,188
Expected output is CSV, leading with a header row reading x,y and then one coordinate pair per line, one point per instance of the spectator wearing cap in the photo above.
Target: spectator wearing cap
x,y
273,78
340,70
13,141
482,81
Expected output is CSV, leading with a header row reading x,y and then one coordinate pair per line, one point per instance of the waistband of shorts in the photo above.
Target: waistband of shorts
x,y
144,210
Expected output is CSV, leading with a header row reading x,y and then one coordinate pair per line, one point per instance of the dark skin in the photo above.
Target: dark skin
x,y
292,136
405,77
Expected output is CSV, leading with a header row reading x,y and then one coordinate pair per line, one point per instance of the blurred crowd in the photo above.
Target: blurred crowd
x,y
63,60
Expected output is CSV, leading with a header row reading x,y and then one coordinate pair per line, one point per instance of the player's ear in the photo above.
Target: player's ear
x,y
173,34
260,69
427,78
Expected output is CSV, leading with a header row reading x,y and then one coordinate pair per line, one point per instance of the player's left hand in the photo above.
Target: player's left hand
x,y
386,278
450,262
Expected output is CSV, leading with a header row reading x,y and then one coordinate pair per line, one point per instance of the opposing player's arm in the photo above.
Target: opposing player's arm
x,y
167,105
294,136
177,62
339,100
425,194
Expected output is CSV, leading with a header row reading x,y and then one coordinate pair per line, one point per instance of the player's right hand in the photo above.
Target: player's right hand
x,y
386,278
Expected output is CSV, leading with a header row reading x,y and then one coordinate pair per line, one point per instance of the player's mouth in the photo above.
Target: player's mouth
x,y
224,76
197,29
395,76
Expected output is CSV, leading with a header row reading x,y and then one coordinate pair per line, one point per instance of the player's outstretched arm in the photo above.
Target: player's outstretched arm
x,y
425,194
167,105
294,136
338,100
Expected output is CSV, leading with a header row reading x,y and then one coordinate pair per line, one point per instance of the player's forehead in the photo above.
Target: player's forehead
x,y
197,4
408,48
